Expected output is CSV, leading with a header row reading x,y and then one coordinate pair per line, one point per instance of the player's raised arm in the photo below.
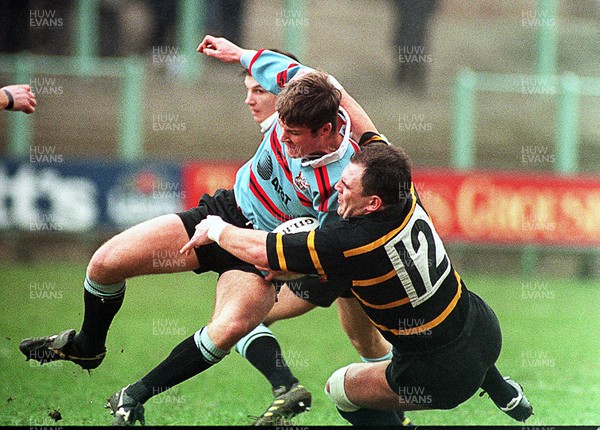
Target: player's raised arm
x,y
361,123
273,71
221,49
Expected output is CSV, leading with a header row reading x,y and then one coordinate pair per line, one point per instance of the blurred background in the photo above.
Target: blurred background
x,y
497,103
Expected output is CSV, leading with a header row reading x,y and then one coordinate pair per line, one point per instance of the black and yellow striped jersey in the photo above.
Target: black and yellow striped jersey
x,y
396,266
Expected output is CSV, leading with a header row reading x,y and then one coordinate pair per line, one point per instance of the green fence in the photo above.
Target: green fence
x,y
86,64
130,70
567,90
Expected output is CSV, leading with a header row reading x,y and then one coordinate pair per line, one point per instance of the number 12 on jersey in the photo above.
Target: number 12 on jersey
x,y
419,258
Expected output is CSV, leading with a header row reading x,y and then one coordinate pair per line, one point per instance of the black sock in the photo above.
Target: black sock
x,y
371,417
264,353
97,317
185,361
500,391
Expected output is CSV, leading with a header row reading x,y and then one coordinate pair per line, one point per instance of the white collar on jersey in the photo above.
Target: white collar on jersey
x,y
267,123
338,153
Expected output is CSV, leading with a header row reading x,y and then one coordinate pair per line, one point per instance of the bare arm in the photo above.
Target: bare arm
x,y
221,49
22,98
246,244
361,122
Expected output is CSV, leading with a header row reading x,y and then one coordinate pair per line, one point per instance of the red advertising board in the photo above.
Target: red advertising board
x,y
512,208
492,207
206,177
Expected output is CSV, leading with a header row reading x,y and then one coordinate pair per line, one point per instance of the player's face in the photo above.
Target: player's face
x,y
351,200
260,101
301,142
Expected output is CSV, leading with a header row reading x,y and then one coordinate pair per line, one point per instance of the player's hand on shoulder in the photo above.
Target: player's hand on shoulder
x,y
221,49
23,99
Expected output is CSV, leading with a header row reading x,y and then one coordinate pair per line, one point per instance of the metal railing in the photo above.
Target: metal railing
x,y
86,63
567,89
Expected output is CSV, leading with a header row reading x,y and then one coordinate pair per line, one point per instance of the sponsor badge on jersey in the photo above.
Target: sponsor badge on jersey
x,y
301,182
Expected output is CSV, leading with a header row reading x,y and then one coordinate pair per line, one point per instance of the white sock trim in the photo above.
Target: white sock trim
x,y
208,349
102,290
261,330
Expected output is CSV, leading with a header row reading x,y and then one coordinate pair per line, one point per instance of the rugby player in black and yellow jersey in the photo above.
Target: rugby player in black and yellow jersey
x,y
446,339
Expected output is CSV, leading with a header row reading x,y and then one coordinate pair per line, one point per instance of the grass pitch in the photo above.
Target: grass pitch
x,y
551,346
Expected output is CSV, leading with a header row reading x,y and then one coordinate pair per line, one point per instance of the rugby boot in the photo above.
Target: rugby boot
x,y
125,409
59,347
287,404
519,407
405,421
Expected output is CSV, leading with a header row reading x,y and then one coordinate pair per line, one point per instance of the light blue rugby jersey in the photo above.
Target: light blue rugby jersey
x,y
272,187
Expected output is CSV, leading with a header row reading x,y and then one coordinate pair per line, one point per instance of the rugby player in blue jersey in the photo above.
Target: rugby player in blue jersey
x,y
243,297
446,339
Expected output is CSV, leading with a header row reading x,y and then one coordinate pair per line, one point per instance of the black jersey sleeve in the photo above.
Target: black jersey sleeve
x,y
316,252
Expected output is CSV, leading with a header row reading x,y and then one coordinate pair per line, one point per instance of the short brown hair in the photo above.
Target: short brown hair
x,y
309,101
387,172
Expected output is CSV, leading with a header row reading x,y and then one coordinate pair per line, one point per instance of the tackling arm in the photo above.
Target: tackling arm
x,y
246,244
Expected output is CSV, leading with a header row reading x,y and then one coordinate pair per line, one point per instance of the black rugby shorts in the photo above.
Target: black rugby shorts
x,y
450,375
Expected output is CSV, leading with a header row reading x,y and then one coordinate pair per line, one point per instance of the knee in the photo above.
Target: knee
x,y
101,263
336,390
230,330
